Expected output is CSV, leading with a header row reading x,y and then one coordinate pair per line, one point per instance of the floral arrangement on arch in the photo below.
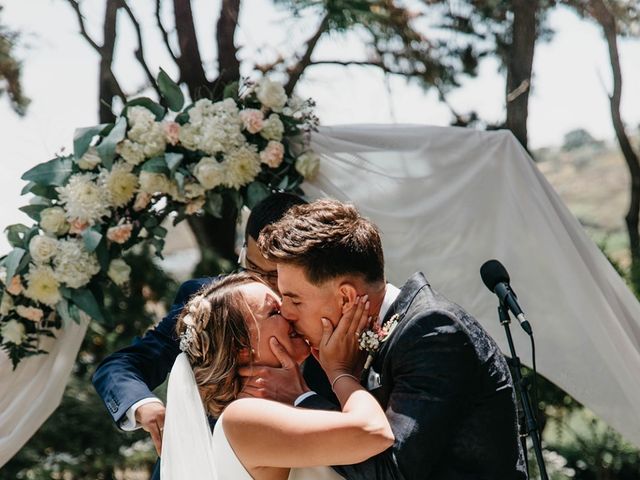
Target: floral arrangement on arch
x,y
124,178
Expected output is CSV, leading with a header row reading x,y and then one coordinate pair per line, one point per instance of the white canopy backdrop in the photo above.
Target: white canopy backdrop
x,y
446,200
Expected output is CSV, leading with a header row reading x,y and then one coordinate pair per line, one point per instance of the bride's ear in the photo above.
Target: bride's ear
x,y
348,295
244,356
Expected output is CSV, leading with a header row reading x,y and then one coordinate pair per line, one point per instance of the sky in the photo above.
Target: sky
x,y
572,75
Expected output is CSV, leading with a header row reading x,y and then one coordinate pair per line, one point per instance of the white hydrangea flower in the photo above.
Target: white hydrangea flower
x,y
271,94
131,152
6,305
272,128
243,165
90,159
151,183
42,248
209,172
120,183
189,136
140,122
43,286
308,165
220,134
13,332
73,265
153,141
119,272
84,200
53,221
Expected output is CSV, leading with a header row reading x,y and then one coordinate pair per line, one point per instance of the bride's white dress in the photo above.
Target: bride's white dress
x,y
189,451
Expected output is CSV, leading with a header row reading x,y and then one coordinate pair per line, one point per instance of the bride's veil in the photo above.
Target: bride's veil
x,y
187,443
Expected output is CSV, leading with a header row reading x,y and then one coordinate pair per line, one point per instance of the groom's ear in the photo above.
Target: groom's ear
x,y
348,295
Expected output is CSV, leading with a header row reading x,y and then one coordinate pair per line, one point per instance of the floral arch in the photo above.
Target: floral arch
x,y
124,178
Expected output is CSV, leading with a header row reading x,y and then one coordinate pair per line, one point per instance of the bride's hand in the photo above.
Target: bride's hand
x,y
338,353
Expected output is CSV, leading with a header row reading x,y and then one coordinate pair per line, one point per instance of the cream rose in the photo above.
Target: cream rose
x,y
13,332
273,128
273,154
6,305
30,313
308,165
42,248
271,94
119,272
209,172
120,233
90,159
54,221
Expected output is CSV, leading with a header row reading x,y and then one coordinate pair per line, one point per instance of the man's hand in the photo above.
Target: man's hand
x,y
150,416
283,384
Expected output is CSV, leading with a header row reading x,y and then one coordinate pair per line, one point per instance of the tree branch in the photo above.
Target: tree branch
x,y
228,63
189,61
296,71
108,84
163,31
83,31
139,53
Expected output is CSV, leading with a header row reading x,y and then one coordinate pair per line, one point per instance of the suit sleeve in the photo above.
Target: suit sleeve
x,y
432,372
130,374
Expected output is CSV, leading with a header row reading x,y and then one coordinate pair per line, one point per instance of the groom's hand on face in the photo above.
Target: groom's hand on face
x,y
283,384
150,416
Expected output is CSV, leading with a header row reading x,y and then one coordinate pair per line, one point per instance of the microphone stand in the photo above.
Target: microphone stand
x,y
531,425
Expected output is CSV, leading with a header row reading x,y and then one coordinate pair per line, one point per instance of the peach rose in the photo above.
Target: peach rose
x,y
30,313
194,206
15,287
171,132
120,233
273,154
142,200
252,119
77,226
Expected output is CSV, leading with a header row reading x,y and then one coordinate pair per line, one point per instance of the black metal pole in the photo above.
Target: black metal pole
x,y
530,418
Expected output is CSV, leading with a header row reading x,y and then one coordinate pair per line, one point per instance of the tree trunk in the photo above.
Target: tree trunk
x,y
106,89
228,64
608,23
519,67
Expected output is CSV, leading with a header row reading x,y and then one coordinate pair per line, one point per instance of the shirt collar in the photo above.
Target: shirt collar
x,y
390,295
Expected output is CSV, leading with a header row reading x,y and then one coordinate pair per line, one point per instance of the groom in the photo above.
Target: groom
x,y
442,380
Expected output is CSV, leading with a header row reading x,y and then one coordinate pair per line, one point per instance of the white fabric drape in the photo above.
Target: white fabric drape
x,y
446,200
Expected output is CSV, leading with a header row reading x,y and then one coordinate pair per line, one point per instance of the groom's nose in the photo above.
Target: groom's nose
x,y
287,312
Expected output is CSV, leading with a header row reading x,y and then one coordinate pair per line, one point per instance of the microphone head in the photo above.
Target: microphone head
x,y
493,273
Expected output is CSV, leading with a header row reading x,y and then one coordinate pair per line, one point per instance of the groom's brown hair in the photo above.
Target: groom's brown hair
x,y
328,239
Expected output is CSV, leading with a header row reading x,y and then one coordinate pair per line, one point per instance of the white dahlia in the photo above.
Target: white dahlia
x,y
90,159
242,166
84,199
43,286
120,183
73,265
42,248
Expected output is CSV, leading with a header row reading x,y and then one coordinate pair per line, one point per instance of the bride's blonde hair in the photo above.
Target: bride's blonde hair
x,y
213,333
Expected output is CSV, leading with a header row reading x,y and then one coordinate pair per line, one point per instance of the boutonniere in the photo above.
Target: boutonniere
x,y
372,339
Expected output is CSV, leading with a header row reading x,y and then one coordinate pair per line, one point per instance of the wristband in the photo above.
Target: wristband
x,y
341,376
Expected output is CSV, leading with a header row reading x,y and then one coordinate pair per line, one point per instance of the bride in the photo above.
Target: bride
x,y
236,322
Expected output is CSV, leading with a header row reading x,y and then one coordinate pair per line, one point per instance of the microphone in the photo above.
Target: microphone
x,y
496,278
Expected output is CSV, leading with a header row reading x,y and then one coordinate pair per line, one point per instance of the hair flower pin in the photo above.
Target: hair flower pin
x,y
371,339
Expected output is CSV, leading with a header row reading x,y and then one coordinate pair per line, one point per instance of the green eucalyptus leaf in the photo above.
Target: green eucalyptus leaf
x,y
62,307
173,160
82,139
33,211
102,252
92,239
53,172
284,183
154,107
231,90
48,192
159,232
179,178
256,192
107,147
16,234
27,188
170,91
151,223
155,165
86,301
213,205
13,261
